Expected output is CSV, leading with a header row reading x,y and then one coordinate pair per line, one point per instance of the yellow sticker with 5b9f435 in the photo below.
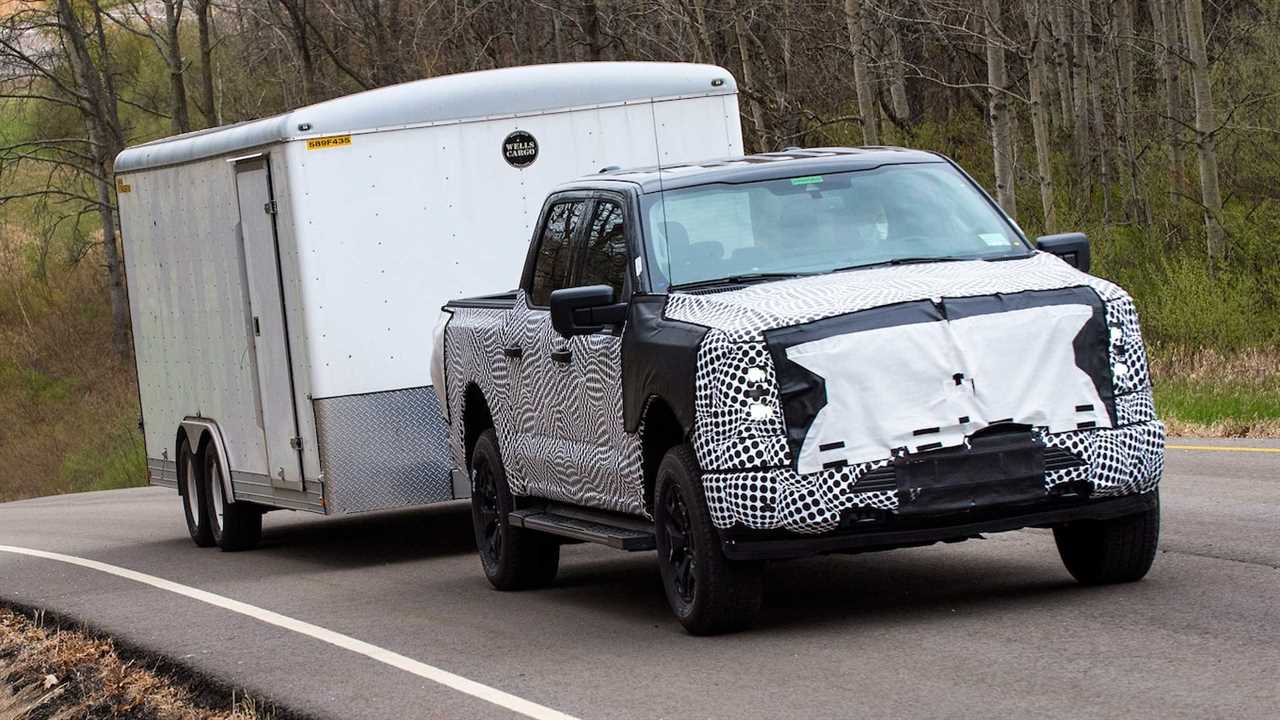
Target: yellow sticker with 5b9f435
x,y
333,141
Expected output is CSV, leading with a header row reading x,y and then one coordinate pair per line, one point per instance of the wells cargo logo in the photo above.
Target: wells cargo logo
x,y
332,141
520,149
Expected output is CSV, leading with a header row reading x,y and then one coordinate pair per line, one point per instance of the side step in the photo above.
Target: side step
x,y
616,531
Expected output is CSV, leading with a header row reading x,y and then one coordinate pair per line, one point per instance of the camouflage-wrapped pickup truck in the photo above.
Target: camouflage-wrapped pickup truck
x,y
779,355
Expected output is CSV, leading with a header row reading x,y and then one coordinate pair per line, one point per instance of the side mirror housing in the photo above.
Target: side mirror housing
x,y
1072,247
585,310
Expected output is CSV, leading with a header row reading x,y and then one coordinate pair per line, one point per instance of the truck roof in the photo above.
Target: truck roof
x,y
485,94
761,166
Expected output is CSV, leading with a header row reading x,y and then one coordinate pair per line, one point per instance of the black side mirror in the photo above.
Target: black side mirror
x,y
1072,247
585,310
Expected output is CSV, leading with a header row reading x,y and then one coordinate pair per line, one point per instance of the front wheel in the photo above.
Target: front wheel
x,y
1101,552
513,558
234,525
708,593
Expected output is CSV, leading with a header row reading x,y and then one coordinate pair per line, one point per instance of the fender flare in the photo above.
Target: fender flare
x,y
197,427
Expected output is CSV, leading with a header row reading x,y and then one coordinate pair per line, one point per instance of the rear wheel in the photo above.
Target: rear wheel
x,y
1100,552
708,593
513,558
234,525
194,500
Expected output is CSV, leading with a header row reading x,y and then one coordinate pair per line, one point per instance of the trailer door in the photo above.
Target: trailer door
x,y
276,410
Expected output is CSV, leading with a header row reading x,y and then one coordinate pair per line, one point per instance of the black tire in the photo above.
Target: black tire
x,y
1101,552
513,558
708,593
235,526
195,502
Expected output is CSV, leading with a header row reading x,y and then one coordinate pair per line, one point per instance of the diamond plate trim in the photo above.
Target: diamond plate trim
x,y
383,450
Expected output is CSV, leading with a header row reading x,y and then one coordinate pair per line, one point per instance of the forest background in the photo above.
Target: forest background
x,y
1151,125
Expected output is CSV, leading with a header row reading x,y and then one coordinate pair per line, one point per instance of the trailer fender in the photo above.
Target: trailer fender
x,y
196,428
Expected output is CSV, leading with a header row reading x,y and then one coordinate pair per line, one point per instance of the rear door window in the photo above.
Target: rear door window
x,y
554,263
605,255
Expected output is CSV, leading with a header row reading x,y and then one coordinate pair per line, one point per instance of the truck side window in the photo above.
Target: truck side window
x,y
555,252
605,257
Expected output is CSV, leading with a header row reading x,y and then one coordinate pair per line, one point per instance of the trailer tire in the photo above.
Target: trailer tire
x,y
513,558
235,526
195,503
1118,550
709,593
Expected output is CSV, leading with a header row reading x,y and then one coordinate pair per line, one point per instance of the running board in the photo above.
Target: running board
x,y
616,531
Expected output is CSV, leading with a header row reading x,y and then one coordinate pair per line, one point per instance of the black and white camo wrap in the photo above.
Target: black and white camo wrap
x,y
559,426
739,437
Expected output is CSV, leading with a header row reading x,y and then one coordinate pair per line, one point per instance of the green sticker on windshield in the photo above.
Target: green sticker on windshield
x,y
809,180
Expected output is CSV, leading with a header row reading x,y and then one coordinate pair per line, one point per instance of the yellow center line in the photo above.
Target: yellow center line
x,y
1223,448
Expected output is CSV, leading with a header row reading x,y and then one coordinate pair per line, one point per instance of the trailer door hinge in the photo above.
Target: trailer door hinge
x,y
269,207
295,443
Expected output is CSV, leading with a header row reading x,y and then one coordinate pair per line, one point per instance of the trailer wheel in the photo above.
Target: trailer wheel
x,y
194,501
1101,552
234,525
513,558
709,593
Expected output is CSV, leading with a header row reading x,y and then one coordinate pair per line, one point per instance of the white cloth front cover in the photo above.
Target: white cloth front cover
x,y
884,385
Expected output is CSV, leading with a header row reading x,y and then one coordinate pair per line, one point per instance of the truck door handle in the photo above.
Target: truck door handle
x,y
513,352
561,356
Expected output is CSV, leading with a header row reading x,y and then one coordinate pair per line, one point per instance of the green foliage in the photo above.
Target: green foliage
x,y
31,386
1210,404
117,460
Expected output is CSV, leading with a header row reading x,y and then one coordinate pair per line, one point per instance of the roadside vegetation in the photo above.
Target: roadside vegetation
x,y
48,673
1148,125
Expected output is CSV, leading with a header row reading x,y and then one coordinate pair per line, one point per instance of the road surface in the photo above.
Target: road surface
x,y
991,628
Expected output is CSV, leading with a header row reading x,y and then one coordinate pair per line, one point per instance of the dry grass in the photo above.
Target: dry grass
x,y
51,673
68,407
1208,394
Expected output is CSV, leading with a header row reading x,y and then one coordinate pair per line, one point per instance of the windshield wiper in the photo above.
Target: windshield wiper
x,y
907,261
737,280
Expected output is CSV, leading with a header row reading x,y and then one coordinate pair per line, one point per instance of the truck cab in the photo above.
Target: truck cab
x,y
786,354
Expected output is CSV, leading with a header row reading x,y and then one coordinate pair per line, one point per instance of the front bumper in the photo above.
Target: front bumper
x,y
893,532
1111,462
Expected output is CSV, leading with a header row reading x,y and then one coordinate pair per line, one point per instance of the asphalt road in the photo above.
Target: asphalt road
x,y
992,628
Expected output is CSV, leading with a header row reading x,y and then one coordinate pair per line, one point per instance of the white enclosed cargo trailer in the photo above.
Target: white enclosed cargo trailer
x,y
285,273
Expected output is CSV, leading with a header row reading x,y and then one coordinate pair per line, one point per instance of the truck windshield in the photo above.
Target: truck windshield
x,y
821,223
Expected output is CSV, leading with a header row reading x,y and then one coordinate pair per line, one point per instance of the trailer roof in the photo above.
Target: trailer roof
x,y
484,94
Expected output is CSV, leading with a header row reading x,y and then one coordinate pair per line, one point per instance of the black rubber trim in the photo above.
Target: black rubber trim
x,y
757,546
498,301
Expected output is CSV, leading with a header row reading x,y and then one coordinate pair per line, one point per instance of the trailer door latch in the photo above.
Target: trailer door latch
x,y
295,443
269,207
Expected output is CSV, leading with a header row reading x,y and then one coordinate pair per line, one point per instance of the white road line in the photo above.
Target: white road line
x,y
382,655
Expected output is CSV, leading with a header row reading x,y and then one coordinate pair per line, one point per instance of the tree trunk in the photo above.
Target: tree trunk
x,y
1062,60
748,78
97,105
1037,72
1136,208
1165,13
208,99
998,107
1080,87
590,13
1206,125
1099,139
867,106
179,117
706,51
897,75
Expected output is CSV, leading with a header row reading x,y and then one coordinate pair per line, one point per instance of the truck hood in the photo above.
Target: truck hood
x,y
746,313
